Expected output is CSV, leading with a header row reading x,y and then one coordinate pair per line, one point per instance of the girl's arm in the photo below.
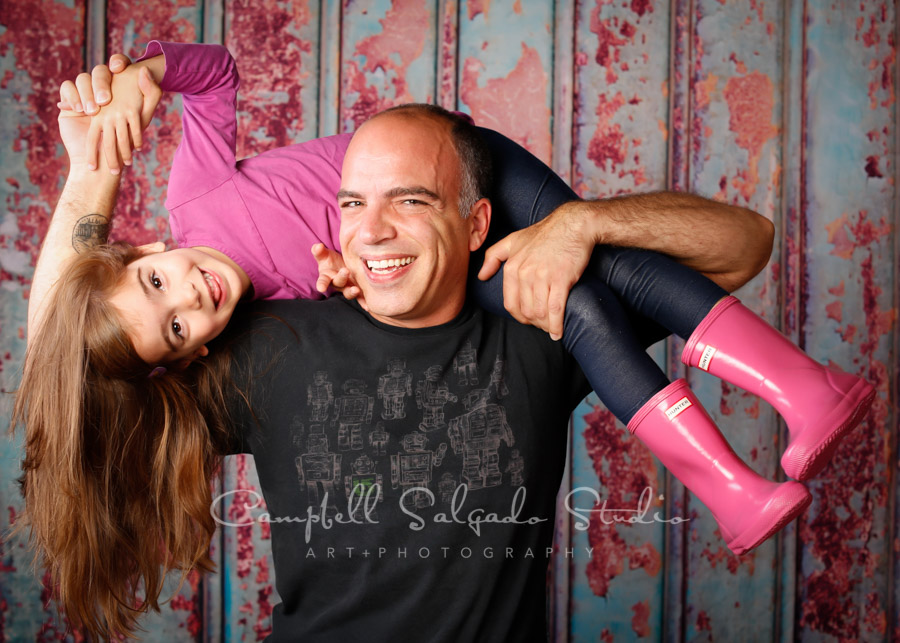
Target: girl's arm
x,y
206,76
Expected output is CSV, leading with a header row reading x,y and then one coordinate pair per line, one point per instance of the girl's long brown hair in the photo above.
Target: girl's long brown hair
x,y
118,465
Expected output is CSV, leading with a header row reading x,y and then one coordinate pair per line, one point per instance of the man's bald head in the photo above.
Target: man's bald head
x,y
475,167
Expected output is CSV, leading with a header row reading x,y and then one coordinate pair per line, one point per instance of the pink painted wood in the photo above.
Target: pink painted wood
x,y
788,108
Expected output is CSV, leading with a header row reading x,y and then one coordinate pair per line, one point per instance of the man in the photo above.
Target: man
x,y
382,529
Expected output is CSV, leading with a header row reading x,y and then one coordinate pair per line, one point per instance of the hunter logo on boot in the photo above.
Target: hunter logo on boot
x,y
706,358
676,409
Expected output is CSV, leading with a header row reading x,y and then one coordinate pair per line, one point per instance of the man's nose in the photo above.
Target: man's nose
x,y
376,225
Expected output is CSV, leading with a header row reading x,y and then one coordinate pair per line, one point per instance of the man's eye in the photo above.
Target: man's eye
x,y
351,204
156,282
176,327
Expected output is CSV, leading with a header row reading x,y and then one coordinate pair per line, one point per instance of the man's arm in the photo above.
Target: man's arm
x,y
84,211
728,244
81,220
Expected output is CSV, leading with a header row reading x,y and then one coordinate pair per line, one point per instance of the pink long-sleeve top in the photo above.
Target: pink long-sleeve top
x,y
265,212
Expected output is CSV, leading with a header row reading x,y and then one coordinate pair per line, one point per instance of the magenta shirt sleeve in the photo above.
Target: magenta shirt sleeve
x,y
206,76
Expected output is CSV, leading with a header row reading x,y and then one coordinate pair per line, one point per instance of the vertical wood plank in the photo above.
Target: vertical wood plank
x,y
505,54
621,70
448,53
330,29
33,62
387,58
563,87
276,46
785,268
849,308
621,104
735,127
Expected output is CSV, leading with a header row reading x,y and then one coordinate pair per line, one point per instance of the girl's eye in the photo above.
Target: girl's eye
x,y
155,281
176,327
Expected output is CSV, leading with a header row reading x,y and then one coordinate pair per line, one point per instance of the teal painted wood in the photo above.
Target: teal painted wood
x,y
621,98
785,268
32,169
387,57
847,308
825,75
505,69
621,67
735,157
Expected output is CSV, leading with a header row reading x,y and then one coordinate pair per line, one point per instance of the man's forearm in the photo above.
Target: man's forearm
x,y
727,243
81,220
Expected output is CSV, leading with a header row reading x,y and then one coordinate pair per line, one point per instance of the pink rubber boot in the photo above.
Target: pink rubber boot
x,y
748,508
818,404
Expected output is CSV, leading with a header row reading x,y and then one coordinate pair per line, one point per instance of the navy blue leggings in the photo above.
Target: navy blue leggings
x,y
627,299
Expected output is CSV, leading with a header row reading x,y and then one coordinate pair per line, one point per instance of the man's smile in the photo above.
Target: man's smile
x,y
388,266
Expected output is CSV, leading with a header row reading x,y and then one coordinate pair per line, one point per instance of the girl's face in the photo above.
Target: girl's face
x,y
174,302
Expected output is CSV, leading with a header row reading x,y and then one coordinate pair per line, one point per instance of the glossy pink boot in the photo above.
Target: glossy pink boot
x,y
818,404
748,508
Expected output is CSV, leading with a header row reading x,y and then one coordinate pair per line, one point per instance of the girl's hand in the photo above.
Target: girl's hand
x,y
119,125
89,92
334,274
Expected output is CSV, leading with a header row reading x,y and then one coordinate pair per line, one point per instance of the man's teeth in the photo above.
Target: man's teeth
x,y
388,265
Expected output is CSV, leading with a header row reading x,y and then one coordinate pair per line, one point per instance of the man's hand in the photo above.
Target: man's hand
x,y
73,130
334,274
91,91
543,262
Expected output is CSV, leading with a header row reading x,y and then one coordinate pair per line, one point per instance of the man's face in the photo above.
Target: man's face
x,y
402,236
174,302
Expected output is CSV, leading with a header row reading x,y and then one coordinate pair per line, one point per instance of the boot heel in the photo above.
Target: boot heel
x,y
802,461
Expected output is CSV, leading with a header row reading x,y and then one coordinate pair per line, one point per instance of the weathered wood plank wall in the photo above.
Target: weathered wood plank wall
x,y
786,107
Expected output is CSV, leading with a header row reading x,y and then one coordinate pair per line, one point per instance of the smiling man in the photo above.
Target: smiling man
x,y
403,234
409,453
410,450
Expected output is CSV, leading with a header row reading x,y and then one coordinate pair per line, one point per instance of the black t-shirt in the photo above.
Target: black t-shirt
x,y
410,475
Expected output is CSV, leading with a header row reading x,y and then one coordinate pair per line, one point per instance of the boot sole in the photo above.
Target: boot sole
x,y
790,503
804,462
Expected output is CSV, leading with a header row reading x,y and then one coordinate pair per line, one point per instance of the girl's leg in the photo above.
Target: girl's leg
x,y
653,287
668,418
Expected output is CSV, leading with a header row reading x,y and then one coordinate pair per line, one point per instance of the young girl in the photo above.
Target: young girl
x,y
112,373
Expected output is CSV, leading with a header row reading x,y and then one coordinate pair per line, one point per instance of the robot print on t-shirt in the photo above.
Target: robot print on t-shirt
x,y
319,470
413,469
432,394
393,388
351,411
477,436
465,365
363,486
457,434
319,397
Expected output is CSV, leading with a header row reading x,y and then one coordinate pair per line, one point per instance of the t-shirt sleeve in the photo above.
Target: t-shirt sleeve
x,y
207,78
256,339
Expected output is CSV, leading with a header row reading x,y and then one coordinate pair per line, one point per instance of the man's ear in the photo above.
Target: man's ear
x,y
480,221
182,364
152,248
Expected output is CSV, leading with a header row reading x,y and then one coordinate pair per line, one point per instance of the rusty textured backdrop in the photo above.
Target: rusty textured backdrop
x,y
786,107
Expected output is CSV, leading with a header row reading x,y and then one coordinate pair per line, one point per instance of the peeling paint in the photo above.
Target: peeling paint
x,y
522,92
751,102
625,468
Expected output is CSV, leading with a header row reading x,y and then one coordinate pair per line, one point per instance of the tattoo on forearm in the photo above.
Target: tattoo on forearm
x,y
89,232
